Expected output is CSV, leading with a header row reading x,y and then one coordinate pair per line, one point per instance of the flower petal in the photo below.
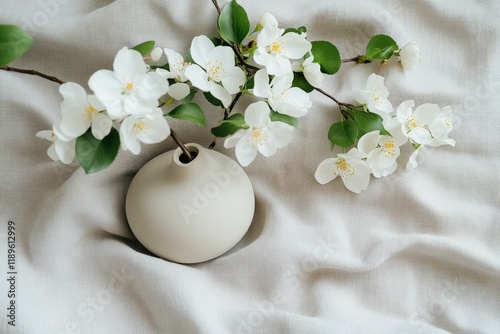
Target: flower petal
x,y
223,56
360,180
200,48
157,130
65,150
179,90
257,115
314,75
282,133
261,84
95,103
101,126
128,63
267,149
368,142
220,93
275,64
156,54
234,79
51,152
324,173
245,151
152,87
198,77
74,96
47,135
426,113
267,18
295,45
108,90
231,141
75,123
128,139
405,110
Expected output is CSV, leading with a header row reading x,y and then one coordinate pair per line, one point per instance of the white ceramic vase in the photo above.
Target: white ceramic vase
x,y
190,212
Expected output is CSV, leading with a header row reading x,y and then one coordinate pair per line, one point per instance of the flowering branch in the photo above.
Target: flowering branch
x,y
32,72
368,134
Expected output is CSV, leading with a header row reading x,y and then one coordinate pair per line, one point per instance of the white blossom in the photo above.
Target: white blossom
x,y
409,55
79,112
262,135
177,67
148,128
129,89
415,124
381,153
275,49
351,167
63,147
280,94
441,127
215,70
374,96
312,71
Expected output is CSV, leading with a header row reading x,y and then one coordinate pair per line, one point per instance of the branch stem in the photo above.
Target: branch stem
x,y
32,72
216,4
181,145
227,112
347,60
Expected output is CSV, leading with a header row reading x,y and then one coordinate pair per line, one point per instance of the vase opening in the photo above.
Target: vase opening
x,y
184,158
180,158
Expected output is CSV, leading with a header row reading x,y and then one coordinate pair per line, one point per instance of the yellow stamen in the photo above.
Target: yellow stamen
x,y
89,111
344,169
258,137
139,127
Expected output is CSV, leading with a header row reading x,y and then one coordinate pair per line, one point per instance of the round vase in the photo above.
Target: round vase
x,y
190,212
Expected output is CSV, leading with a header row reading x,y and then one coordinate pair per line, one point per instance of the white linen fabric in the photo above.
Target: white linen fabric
x,y
417,252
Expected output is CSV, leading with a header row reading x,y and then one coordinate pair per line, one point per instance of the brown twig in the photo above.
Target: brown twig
x,y
181,145
347,60
227,112
216,4
32,72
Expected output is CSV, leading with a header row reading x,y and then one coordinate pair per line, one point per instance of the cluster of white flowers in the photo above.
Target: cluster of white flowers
x,y
275,51
376,154
129,95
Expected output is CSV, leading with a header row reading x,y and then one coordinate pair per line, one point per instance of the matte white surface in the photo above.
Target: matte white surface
x,y
190,212
415,253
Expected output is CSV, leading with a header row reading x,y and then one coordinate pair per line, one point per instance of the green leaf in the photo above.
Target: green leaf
x,y
368,122
189,111
300,81
327,56
249,84
210,98
277,117
217,41
144,48
343,134
299,30
95,155
233,23
14,41
229,126
381,47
